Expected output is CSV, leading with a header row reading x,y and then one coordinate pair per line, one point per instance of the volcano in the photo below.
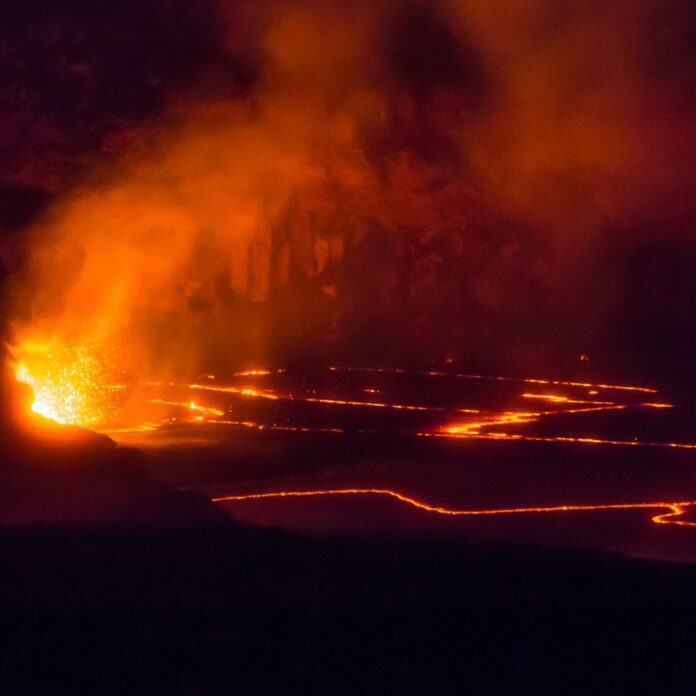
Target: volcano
x,y
347,346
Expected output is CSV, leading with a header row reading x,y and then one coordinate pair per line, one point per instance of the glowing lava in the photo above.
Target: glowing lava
x,y
495,378
71,386
78,386
674,509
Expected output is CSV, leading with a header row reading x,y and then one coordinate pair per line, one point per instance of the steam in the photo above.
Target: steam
x,y
419,179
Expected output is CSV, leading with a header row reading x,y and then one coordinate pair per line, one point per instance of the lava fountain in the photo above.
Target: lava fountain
x,y
74,386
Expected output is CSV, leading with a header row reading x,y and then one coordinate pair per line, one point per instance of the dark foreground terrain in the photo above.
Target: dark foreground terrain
x,y
114,580
225,609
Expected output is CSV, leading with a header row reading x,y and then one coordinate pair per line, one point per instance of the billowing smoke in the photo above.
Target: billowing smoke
x,y
372,181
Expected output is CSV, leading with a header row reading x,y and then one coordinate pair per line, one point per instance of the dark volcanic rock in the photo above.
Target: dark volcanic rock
x,y
54,473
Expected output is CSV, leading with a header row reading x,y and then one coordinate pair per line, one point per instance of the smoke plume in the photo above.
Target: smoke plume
x,y
471,180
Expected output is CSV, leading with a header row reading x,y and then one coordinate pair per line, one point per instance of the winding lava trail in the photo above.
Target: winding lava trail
x,y
673,509
480,429
667,512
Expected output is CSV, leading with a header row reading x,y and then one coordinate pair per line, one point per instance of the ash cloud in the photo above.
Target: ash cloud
x,y
387,181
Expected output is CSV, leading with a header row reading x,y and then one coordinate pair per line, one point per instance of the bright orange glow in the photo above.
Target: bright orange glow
x,y
71,386
191,406
253,373
472,429
78,387
462,432
675,509
564,399
247,391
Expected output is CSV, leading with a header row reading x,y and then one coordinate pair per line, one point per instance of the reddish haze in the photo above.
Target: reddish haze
x,y
397,180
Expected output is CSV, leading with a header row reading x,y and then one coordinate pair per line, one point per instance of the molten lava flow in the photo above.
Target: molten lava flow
x,y
561,439
248,391
281,428
556,399
71,386
496,378
202,412
486,425
675,509
80,386
474,430
254,373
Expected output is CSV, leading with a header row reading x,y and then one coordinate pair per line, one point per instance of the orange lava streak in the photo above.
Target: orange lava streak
x,y
505,418
565,400
274,426
527,380
369,404
588,385
190,405
248,391
592,409
473,430
257,373
464,434
675,509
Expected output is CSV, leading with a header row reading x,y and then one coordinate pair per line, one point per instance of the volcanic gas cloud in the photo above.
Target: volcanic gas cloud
x,y
392,179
